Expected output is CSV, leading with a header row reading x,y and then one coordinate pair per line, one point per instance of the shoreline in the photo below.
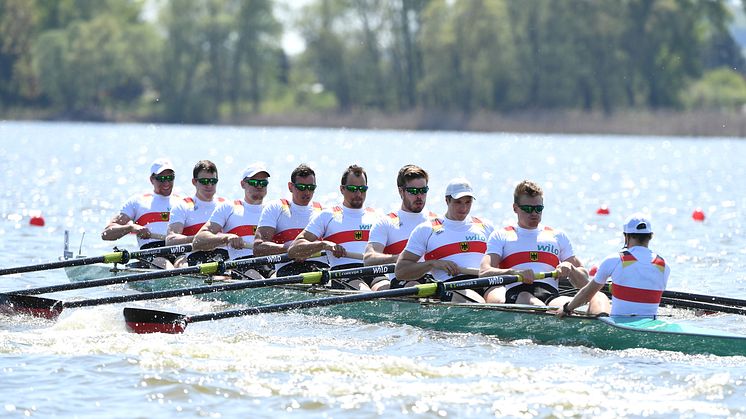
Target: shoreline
x,y
641,123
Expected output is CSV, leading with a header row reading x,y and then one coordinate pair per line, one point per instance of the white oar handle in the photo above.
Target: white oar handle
x,y
156,236
353,255
247,245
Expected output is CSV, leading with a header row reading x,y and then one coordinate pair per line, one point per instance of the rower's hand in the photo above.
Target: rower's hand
x,y
234,241
564,269
337,250
140,231
446,265
527,275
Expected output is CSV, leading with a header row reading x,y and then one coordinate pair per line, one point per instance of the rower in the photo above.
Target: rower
x,y
528,247
147,215
341,230
232,225
448,248
639,275
191,213
389,235
281,221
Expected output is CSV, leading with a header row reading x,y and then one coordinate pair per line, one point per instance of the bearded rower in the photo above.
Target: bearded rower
x,y
389,235
341,229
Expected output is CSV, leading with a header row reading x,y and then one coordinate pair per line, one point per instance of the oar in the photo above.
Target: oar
x,y
209,268
122,256
141,320
50,308
680,299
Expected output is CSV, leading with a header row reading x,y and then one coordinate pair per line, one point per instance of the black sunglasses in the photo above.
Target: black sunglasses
x,y
354,188
165,178
417,191
303,186
208,180
257,183
528,209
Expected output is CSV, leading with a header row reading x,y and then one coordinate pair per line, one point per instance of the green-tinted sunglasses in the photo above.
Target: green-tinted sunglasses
x,y
354,188
208,180
257,183
528,209
416,191
303,186
165,178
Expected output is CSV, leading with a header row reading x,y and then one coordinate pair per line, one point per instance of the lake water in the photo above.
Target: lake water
x,y
295,365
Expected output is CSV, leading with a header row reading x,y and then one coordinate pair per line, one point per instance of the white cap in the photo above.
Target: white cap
x,y
637,224
253,169
459,187
159,165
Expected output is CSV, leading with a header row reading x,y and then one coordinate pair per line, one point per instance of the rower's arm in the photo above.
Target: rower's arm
x,y
490,266
408,267
174,236
210,237
306,245
263,244
374,255
118,227
584,295
573,269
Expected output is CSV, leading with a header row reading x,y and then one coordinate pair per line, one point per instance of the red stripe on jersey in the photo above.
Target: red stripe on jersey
x,y
243,230
349,236
153,217
286,236
456,248
636,295
395,248
529,257
192,230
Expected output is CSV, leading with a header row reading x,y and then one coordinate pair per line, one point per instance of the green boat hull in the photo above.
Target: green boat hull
x,y
511,322
505,321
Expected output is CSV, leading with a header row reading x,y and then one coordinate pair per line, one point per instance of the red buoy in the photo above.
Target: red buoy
x,y
603,210
698,215
593,270
36,220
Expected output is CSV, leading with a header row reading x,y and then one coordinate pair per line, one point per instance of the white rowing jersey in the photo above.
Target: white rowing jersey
x,y
393,230
540,249
239,218
461,242
193,213
152,211
639,277
288,219
344,226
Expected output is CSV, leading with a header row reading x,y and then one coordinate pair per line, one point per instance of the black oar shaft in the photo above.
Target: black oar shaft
x,y
182,292
165,273
712,299
703,306
424,290
113,257
321,302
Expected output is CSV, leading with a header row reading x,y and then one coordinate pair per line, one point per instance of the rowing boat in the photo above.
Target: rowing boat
x,y
504,321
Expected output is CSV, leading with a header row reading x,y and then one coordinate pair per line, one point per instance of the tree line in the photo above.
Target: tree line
x,y
217,60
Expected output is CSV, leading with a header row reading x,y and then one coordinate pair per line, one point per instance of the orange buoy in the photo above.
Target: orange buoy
x,y
36,220
603,210
698,215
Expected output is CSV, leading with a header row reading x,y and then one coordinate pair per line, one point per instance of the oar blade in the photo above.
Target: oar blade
x,y
47,308
141,320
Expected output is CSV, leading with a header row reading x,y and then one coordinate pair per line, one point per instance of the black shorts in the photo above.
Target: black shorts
x,y
399,283
153,245
541,290
341,283
297,268
200,257
265,270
